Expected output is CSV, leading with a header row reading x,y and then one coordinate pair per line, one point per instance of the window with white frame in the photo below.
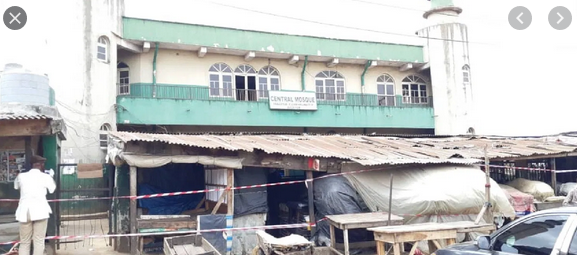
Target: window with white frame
x,y
268,79
123,74
330,86
466,79
245,83
386,90
414,90
220,77
102,49
103,136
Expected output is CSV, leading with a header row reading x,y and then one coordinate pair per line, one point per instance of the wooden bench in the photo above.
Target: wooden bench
x,y
431,232
358,221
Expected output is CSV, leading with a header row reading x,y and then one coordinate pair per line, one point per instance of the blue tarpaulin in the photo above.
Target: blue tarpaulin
x,y
171,178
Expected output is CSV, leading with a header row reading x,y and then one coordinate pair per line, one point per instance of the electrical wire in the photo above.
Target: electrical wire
x,y
416,10
344,26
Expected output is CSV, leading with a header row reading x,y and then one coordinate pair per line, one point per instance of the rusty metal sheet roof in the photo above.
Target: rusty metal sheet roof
x,y
365,150
4,116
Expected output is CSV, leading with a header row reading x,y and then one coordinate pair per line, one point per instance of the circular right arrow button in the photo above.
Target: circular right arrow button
x,y
560,18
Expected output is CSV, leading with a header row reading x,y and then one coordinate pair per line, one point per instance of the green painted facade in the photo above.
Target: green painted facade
x,y
441,3
209,36
191,105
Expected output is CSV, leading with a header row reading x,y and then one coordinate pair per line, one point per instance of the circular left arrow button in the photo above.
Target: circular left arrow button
x,y
520,18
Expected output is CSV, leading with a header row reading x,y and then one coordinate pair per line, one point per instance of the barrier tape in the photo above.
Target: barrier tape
x,y
282,226
179,193
518,168
531,169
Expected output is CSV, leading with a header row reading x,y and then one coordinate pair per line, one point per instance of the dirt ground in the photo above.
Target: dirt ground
x,y
96,246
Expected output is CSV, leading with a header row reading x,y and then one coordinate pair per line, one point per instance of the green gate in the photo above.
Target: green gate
x,y
82,216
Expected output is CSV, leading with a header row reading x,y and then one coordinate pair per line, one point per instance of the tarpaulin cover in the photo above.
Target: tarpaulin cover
x,y
431,190
539,190
520,201
334,196
254,200
566,188
171,178
214,221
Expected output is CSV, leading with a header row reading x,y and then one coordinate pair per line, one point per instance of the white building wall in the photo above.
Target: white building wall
x,y
448,52
186,68
85,87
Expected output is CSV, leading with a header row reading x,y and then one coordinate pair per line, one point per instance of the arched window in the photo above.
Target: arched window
x,y
414,90
123,78
102,49
268,79
330,86
220,77
386,90
245,83
466,75
103,137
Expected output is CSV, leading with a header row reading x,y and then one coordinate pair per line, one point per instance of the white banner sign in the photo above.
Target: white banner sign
x,y
288,100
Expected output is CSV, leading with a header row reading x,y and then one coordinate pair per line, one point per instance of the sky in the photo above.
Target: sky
x,y
522,80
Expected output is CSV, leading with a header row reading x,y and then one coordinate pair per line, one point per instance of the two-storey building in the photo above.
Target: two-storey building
x,y
150,75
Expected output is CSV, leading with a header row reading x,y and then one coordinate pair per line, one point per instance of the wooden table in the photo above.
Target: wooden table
x,y
431,232
358,221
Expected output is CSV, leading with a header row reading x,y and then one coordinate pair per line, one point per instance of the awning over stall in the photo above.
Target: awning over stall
x,y
364,150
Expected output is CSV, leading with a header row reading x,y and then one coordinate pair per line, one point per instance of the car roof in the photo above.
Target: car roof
x,y
563,209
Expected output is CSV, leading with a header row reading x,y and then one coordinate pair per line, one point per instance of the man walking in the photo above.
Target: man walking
x,y
33,209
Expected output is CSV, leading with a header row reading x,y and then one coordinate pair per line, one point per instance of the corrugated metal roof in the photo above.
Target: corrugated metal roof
x,y
4,116
363,149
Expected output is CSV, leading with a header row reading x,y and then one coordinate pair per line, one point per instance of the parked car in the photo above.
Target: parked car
x,y
547,232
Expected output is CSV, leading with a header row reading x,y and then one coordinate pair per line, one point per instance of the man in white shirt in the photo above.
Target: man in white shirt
x,y
33,209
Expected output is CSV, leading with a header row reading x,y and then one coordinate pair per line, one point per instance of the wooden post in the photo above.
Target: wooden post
x,y
311,199
133,183
28,152
230,192
488,186
554,175
230,209
390,200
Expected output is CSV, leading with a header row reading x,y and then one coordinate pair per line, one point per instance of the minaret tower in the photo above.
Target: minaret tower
x,y
447,52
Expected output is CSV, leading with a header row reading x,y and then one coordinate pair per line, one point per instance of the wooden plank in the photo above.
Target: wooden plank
x,y
25,128
363,220
554,175
403,237
466,226
311,200
219,202
133,226
167,224
230,197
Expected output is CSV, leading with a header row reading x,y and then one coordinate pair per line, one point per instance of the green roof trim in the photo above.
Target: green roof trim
x,y
209,36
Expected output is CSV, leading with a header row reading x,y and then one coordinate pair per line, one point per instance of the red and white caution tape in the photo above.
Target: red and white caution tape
x,y
518,168
285,226
179,193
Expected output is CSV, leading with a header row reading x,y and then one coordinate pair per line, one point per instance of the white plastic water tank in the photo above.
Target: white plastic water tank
x,y
18,85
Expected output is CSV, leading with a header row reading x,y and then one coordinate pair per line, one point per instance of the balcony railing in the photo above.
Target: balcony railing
x,y
211,94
